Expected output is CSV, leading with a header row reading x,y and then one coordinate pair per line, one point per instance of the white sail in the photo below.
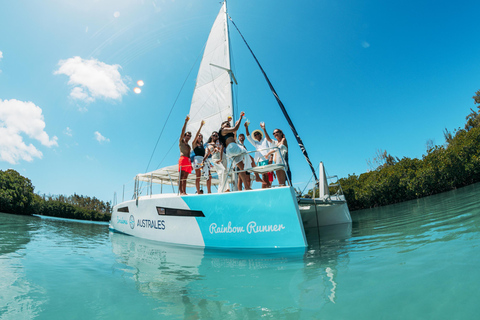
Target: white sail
x,y
212,97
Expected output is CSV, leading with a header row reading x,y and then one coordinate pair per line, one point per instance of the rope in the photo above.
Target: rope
x,y
173,106
282,107
165,155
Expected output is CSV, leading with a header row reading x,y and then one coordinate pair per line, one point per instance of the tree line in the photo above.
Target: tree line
x,y
444,167
17,196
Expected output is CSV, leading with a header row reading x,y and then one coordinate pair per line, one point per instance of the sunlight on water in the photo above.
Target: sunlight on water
x,y
411,260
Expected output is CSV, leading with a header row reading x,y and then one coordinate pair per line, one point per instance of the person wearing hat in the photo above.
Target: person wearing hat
x,y
261,145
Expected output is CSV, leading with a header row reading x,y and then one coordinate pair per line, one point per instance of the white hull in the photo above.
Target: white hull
x,y
327,213
266,218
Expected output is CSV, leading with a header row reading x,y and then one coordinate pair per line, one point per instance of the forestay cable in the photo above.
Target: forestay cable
x,y
282,107
173,106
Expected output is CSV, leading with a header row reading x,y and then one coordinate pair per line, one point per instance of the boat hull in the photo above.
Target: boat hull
x,y
266,218
324,213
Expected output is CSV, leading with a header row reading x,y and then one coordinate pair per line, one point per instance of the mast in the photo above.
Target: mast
x,y
230,73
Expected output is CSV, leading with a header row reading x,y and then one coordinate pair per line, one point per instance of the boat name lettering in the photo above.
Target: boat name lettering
x,y
156,224
253,228
120,220
228,229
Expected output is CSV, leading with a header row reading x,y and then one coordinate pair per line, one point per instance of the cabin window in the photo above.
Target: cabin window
x,y
179,212
122,209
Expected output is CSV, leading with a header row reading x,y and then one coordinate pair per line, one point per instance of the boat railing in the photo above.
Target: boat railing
x,y
170,175
335,186
282,165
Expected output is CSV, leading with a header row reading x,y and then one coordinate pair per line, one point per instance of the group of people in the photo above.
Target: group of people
x,y
225,143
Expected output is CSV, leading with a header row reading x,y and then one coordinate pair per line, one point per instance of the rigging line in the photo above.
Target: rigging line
x,y
307,186
282,107
173,106
166,154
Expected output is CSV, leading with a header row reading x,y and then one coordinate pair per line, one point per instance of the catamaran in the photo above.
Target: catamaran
x,y
257,219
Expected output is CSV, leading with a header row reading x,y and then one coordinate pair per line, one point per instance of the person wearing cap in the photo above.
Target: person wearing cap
x,y
261,156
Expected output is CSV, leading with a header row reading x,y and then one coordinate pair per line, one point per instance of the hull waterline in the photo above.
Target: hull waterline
x,y
266,218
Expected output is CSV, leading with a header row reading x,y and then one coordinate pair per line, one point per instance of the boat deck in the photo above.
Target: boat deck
x,y
318,201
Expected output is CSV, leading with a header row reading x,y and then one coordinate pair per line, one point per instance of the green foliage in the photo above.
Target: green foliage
x,y
443,168
82,201
16,193
16,196
55,208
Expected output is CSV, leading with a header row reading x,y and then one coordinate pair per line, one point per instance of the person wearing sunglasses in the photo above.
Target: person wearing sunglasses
x,y
280,155
215,148
261,156
198,165
238,154
184,163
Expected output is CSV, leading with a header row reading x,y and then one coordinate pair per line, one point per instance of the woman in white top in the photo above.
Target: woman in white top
x,y
280,155
216,150
261,156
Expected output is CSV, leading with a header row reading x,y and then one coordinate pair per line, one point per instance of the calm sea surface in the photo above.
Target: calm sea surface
x,y
415,260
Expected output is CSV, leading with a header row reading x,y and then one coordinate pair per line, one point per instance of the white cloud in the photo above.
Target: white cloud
x,y
100,138
80,94
17,118
92,79
1,55
365,44
68,132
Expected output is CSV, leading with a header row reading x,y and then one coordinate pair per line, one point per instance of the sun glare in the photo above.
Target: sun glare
x,y
137,90
140,83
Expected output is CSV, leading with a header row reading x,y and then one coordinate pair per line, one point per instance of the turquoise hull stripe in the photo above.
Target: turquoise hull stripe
x,y
257,219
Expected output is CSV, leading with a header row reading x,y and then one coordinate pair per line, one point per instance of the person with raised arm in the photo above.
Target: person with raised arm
x,y
216,150
199,151
241,143
261,144
280,155
184,163
238,154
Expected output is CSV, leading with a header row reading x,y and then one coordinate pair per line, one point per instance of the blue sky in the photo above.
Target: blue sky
x,y
355,76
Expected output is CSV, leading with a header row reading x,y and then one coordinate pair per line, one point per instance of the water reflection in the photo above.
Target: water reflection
x,y
77,235
15,232
412,224
17,293
195,282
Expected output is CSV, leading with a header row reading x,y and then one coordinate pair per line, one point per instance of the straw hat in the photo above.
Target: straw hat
x,y
255,131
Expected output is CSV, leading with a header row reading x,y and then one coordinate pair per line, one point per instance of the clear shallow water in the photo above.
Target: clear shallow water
x,y
418,260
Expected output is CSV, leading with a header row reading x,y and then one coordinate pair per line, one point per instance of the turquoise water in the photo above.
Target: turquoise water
x,y
415,260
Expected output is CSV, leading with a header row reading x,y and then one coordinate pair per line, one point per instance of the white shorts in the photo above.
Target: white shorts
x,y
283,151
197,162
238,154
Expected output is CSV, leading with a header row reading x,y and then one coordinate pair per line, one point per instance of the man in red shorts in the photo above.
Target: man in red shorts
x,y
184,163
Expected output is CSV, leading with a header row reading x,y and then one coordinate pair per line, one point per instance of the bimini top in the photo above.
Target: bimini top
x,y
170,176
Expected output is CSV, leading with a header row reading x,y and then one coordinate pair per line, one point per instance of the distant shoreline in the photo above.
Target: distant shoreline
x,y
72,220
